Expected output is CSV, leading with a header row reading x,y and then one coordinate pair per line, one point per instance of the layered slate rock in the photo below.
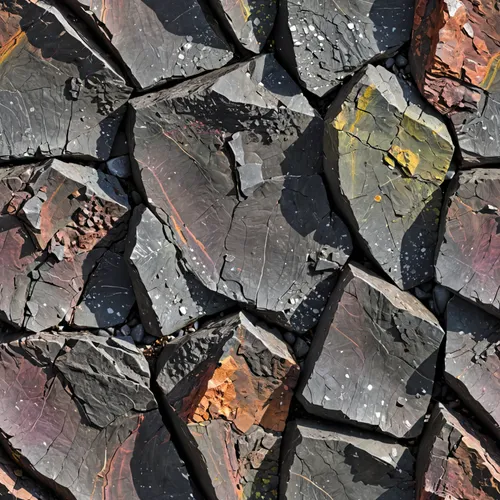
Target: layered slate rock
x,y
456,461
169,296
473,360
321,43
75,103
87,426
454,59
373,357
60,221
338,462
231,162
387,152
16,485
228,390
158,40
467,260
248,21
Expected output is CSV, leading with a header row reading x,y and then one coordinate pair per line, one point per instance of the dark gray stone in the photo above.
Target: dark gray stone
x,y
119,166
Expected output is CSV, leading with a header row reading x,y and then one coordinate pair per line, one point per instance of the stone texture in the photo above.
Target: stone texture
x,y
454,60
82,440
373,357
227,389
169,296
158,40
16,485
249,22
59,93
467,260
321,461
275,248
472,361
321,43
456,461
387,152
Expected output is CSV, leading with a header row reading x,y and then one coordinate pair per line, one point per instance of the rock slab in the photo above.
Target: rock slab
x,y
373,357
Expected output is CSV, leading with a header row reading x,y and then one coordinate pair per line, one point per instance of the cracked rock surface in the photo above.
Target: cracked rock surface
x,y
332,461
64,425
158,40
59,93
387,152
373,357
228,390
259,239
473,360
321,43
169,296
454,56
467,260
456,461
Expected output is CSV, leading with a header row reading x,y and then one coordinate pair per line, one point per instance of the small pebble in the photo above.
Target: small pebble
x,y
300,348
289,338
389,63
401,61
125,330
137,333
119,166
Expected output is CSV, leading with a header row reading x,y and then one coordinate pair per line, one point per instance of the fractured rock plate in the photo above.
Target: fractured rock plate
x,y
231,162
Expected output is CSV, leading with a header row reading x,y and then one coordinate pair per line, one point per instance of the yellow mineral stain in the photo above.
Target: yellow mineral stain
x,y
340,120
7,48
491,72
378,198
244,9
405,158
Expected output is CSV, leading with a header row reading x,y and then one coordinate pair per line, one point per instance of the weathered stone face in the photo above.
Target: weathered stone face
x,y
75,104
62,424
61,221
373,358
158,40
455,49
386,153
229,388
456,461
259,239
249,22
341,462
321,43
467,260
169,296
472,360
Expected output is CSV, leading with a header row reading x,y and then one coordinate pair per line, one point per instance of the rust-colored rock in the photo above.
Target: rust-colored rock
x,y
228,388
455,58
455,461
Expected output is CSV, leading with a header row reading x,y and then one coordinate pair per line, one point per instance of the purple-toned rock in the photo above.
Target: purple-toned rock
x,y
472,363
373,358
467,260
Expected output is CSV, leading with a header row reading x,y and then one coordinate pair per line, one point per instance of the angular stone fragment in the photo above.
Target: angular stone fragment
x,y
454,60
169,296
16,485
373,357
387,152
74,435
73,213
323,42
261,242
59,93
228,390
467,260
472,361
456,461
158,40
109,295
248,21
62,190
338,462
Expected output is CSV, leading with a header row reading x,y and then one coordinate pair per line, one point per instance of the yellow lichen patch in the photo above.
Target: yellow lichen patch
x,y
406,158
390,161
245,11
13,42
378,198
365,99
491,72
340,120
